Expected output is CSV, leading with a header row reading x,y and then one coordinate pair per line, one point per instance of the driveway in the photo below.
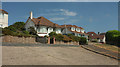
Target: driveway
x,y
43,55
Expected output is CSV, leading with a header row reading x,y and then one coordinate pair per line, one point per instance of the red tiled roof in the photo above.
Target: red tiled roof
x,y
91,33
95,36
72,26
3,11
44,21
76,32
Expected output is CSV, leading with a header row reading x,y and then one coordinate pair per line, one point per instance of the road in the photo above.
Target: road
x,y
43,55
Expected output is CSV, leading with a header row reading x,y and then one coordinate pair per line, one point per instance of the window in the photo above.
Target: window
x,y
1,25
92,34
43,30
1,15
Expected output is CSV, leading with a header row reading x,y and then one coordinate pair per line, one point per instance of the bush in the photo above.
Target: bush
x,y
73,37
83,41
17,29
66,38
113,37
59,37
52,34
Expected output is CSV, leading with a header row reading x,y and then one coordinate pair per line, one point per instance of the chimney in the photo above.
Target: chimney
x,y
98,33
31,15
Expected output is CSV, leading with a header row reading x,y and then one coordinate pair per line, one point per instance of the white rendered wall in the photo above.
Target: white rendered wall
x,y
42,34
3,20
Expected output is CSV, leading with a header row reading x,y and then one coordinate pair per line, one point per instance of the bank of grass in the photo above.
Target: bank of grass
x,y
109,47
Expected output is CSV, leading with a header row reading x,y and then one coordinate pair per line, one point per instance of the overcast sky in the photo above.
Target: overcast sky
x,y
92,16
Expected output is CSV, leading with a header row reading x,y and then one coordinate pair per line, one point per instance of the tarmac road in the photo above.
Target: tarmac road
x,y
42,55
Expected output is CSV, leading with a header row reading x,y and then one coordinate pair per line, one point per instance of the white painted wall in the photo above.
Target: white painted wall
x,y
66,31
3,20
103,40
42,34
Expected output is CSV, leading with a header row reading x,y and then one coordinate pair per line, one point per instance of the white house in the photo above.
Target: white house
x,y
3,18
75,30
44,26
99,37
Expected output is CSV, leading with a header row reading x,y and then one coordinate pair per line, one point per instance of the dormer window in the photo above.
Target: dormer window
x,y
72,28
77,29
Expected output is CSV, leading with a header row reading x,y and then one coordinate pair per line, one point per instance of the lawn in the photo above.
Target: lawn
x,y
109,47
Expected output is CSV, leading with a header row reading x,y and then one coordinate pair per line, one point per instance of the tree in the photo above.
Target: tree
x,y
19,25
113,37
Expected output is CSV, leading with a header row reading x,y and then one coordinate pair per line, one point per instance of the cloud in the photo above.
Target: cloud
x,y
67,12
56,19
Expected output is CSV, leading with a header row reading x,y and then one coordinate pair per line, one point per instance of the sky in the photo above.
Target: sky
x,y
92,16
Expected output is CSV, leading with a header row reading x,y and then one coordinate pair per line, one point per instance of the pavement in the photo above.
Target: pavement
x,y
102,51
49,55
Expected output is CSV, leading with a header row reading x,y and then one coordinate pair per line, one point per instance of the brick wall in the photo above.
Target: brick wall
x,y
15,39
67,43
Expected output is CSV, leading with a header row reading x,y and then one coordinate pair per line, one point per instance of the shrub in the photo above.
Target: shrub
x,y
73,37
59,37
83,41
66,38
52,34
17,29
113,37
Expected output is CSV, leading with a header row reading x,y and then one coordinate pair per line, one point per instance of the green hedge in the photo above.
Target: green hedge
x,y
113,37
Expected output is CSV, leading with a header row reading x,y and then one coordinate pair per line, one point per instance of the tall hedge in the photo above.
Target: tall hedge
x,y
113,37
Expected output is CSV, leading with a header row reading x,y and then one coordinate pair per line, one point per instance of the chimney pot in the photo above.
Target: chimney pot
x,y
31,15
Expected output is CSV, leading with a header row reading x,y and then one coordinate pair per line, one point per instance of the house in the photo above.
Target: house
x,y
44,26
100,37
3,18
75,30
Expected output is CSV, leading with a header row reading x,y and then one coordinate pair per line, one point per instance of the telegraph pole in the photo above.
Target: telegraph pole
x,y
0,4
65,28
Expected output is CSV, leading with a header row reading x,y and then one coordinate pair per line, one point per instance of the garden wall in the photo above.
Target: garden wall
x,y
15,39
67,43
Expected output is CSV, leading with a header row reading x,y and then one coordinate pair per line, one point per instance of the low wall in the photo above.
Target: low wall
x,y
67,43
15,39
